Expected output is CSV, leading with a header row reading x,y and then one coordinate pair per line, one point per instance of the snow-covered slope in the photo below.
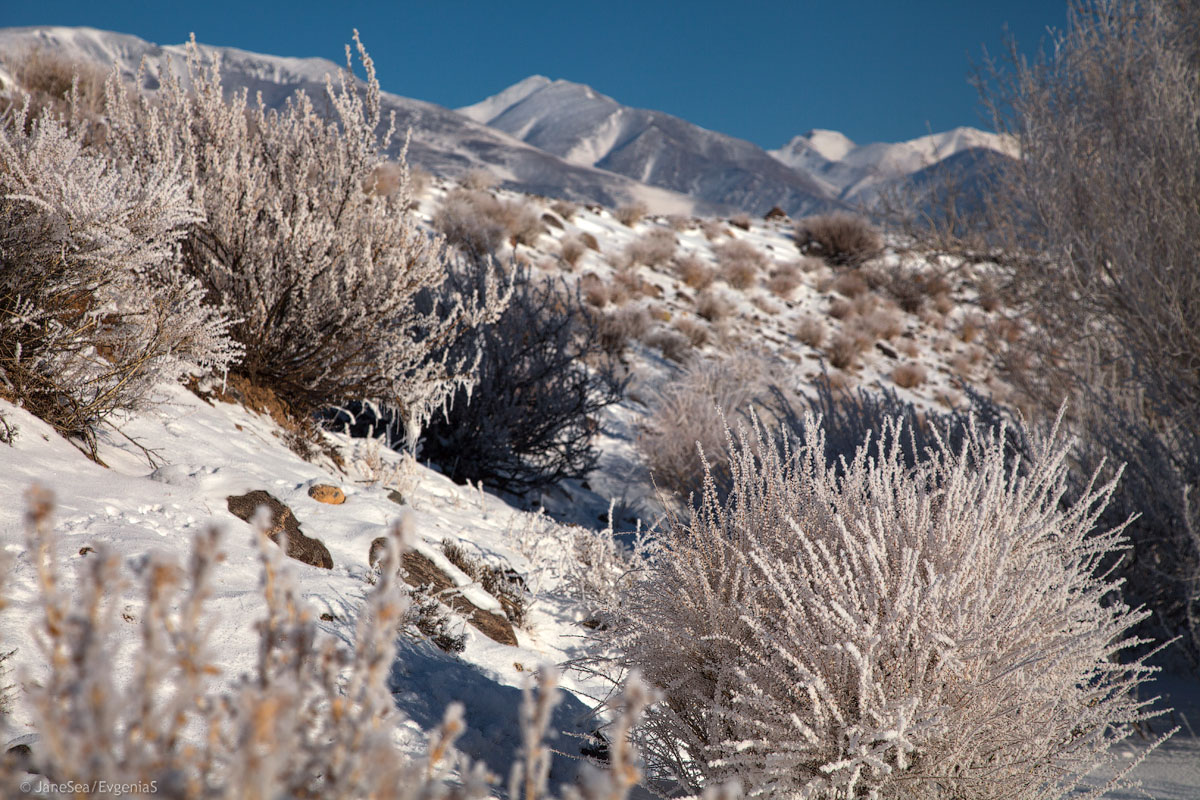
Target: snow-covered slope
x,y
850,170
585,127
444,142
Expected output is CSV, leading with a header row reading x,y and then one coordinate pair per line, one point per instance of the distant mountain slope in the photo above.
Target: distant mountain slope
x,y
444,142
855,172
587,128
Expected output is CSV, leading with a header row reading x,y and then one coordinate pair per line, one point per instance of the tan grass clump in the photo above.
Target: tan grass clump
x,y
909,376
694,272
631,214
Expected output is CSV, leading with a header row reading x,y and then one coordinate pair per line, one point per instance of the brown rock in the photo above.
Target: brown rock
x,y
552,221
417,570
283,521
324,493
775,213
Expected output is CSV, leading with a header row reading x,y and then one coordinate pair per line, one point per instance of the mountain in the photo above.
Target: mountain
x,y
587,128
444,142
855,173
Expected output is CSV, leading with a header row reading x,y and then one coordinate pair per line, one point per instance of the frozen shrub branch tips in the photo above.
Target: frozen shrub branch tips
x,y
871,630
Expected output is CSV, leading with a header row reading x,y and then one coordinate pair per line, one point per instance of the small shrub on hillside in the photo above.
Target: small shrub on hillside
x,y
478,223
594,289
741,221
850,284
811,331
687,415
56,85
909,376
479,180
630,214
95,307
565,209
653,248
615,330
528,422
571,250
673,345
879,630
842,240
784,281
843,351
740,262
694,272
694,330
329,284
713,306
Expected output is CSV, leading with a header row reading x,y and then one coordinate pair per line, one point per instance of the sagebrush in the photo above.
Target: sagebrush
x,y
878,631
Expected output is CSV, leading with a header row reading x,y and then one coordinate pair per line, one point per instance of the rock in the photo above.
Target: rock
x,y
885,349
552,221
378,548
395,497
324,493
418,570
283,521
775,213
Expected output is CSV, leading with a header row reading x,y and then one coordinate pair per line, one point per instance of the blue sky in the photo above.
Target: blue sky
x,y
876,70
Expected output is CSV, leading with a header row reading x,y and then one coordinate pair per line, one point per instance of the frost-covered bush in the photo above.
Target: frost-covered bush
x,y
841,239
543,376
478,223
95,307
314,717
653,248
877,631
320,272
686,423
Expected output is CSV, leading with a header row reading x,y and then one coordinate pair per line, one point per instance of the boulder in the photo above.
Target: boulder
x,y
283,521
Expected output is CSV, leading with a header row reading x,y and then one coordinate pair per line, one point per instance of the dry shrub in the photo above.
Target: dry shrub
x,y
970,328
479,180
843,351
631,214
840,239
617,328
811,331
673,345
840,308
47,77
713,229
808,264
882,323
565,209
740,221
652,248
850,284
696,331
784,281
738,251
478,223
908,347
740,274
694,272
386,179
680,223
712,306
677,429
571,249
594,290
909,376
